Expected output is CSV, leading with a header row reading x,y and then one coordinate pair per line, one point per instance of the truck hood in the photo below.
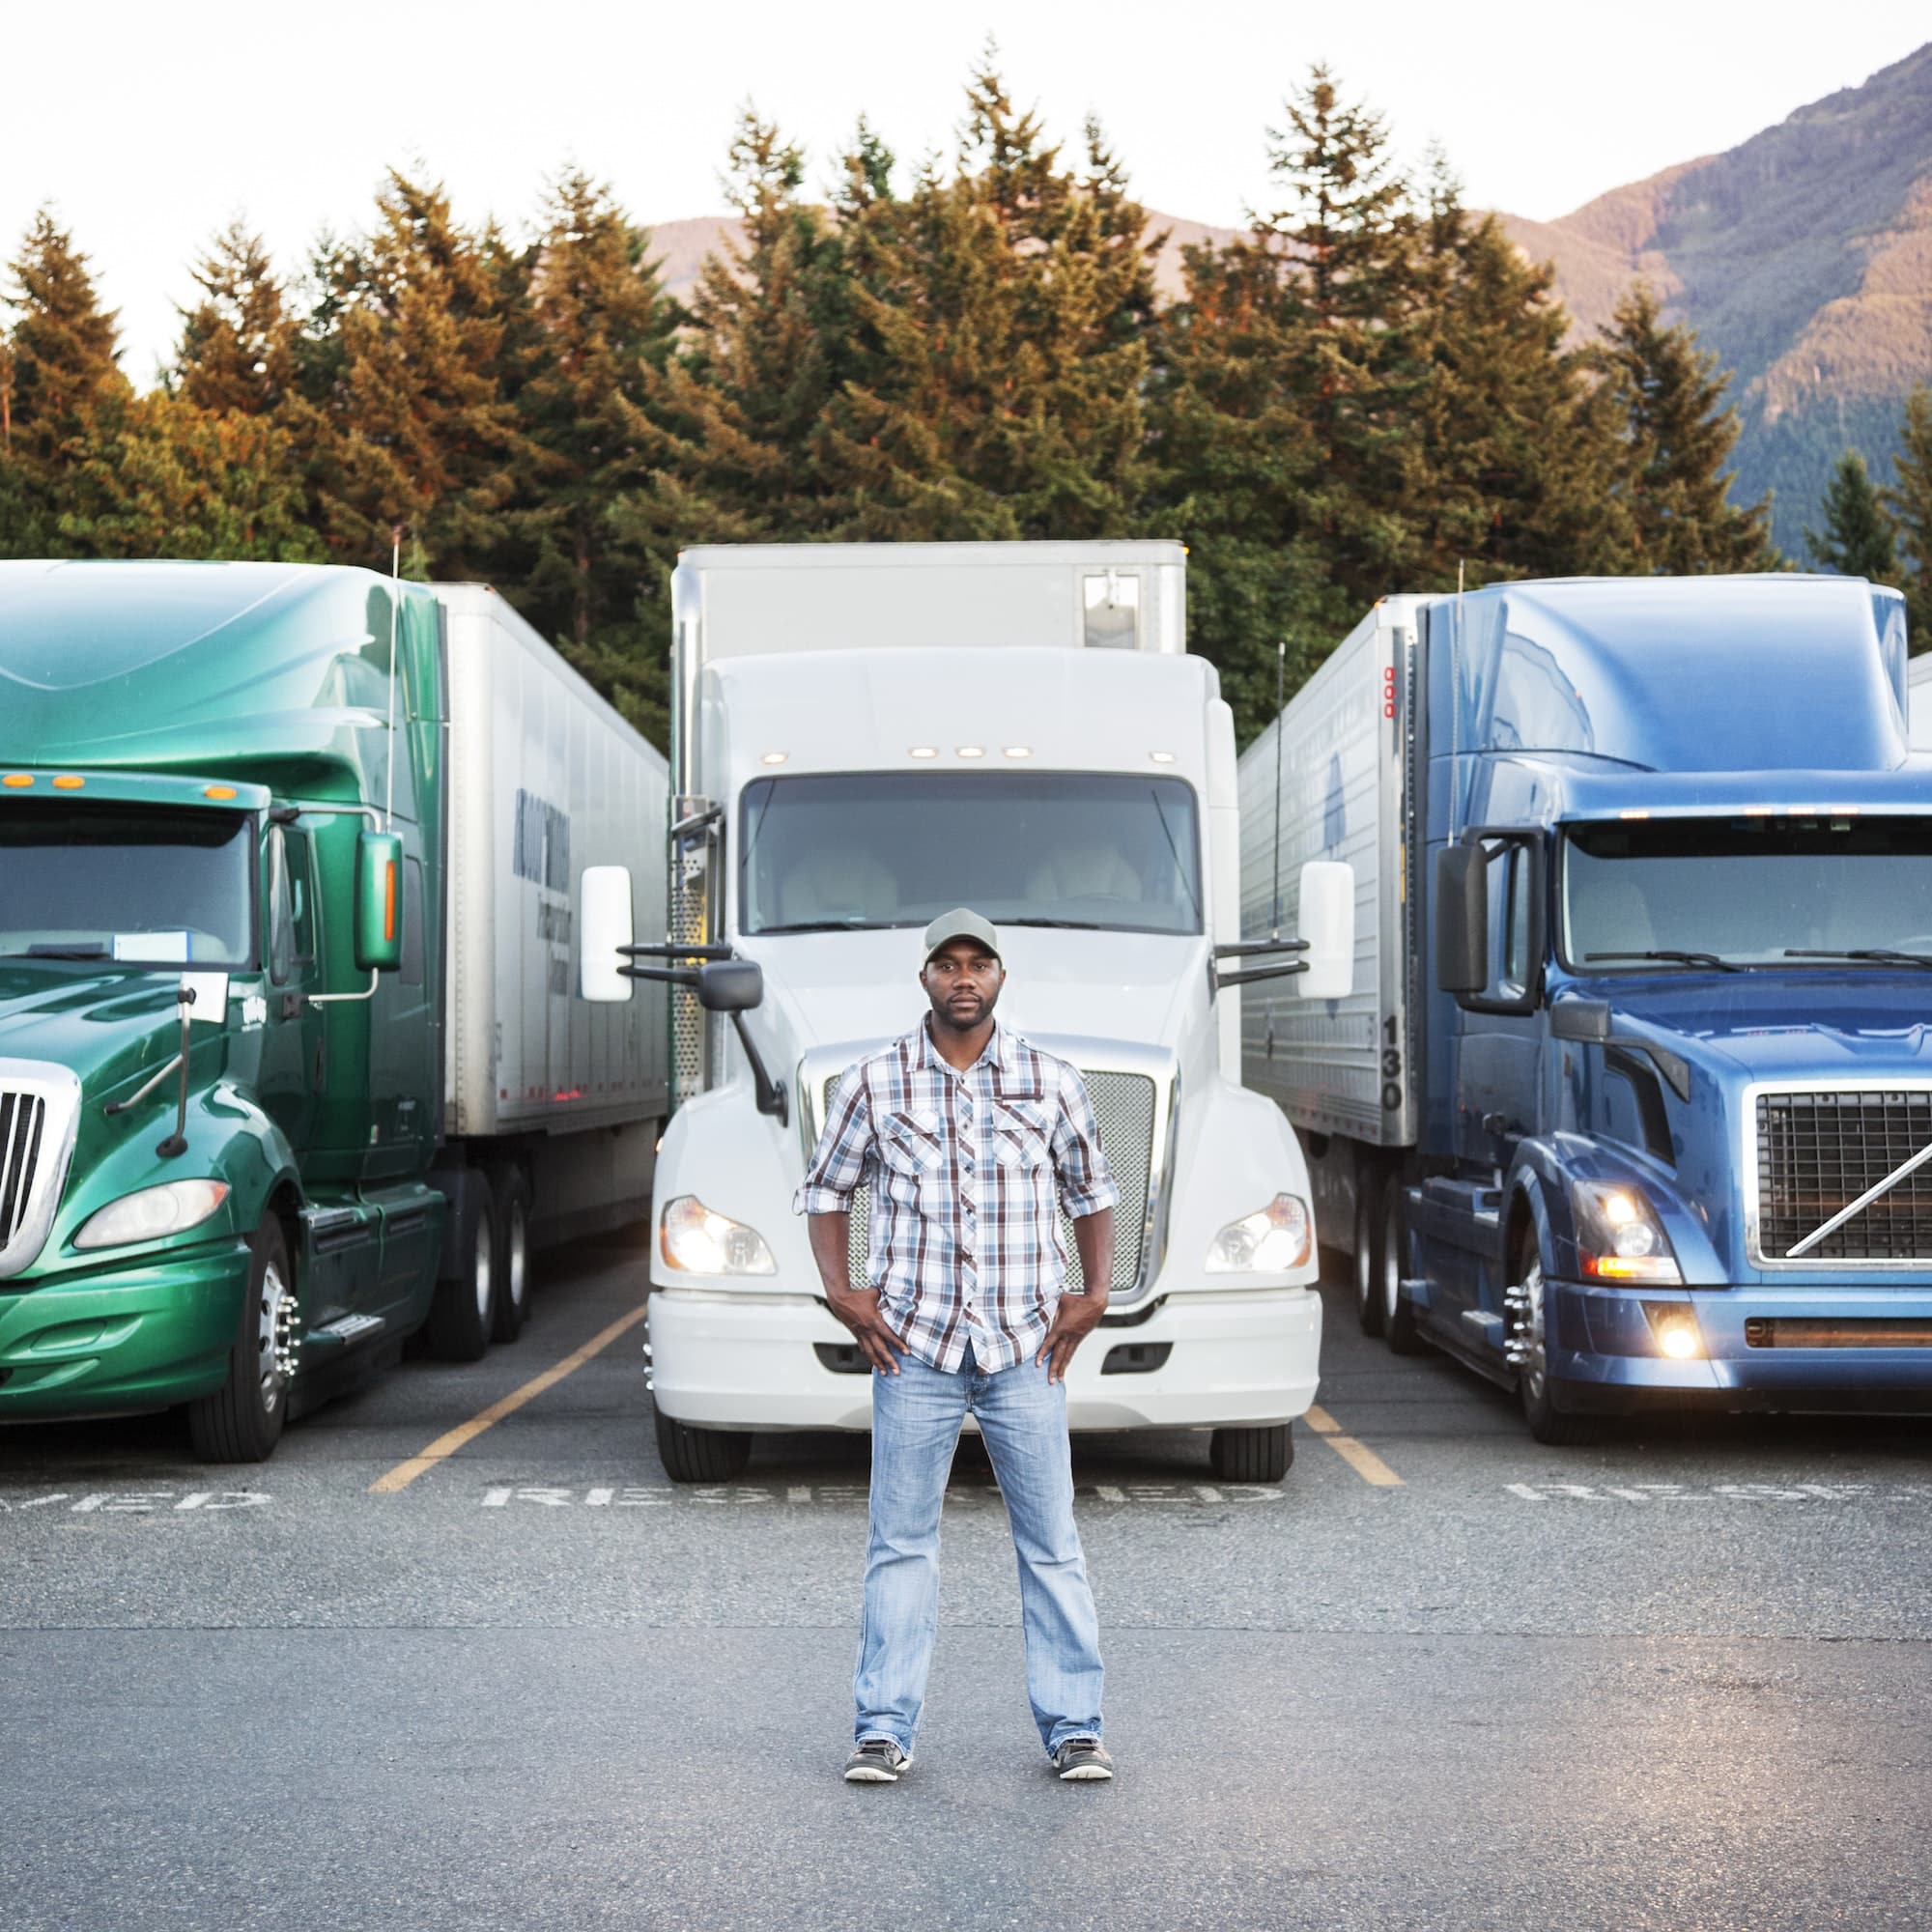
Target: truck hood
x,y
104,1026
1784,1026
838,989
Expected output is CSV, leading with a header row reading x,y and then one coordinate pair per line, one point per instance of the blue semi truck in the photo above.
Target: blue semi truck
x,y
1631,1105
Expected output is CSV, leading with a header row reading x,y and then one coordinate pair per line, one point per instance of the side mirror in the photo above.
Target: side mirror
x,y
1461,918
1584,1020
1325,921
730,985
379,901
603,929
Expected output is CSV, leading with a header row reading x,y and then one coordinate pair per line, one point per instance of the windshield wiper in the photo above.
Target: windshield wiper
x,y
1884,955
1675,957
852,925
93,951
1061,924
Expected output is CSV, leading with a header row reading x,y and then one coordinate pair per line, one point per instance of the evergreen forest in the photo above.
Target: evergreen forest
x,y
1369,389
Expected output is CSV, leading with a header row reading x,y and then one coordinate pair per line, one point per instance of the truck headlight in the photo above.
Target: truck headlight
x,y
693,1238
150,1213
1277,1237
1618,1234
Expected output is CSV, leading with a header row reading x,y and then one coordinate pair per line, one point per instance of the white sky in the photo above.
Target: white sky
x,y
147,129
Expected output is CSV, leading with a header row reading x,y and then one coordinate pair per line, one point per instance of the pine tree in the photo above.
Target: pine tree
x,y
1678,433
602,329
62,374
1859,538
1910,503
237,349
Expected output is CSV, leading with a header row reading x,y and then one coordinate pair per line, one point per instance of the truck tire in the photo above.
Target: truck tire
x,y
1368,1287
1537,1388
463,1311
700,1455
513,1246
1399,1325
1252,1454
242,1421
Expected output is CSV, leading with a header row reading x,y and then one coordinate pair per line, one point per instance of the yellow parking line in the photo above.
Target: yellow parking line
x,y
447,1445
1358,1455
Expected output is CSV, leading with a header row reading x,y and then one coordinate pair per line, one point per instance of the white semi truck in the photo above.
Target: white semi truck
x,y
862,736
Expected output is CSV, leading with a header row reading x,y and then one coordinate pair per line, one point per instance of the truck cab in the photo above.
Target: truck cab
x,y
865,736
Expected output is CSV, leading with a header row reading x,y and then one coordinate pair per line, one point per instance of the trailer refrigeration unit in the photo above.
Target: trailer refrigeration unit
x,y
863,736
1632,1102
291,1060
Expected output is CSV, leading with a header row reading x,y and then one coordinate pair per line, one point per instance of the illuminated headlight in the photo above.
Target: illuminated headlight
x,y
1277,1237
153,1212
1619,1237
693,1238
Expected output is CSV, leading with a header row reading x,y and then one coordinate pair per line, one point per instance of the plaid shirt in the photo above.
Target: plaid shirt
x,y
967,1170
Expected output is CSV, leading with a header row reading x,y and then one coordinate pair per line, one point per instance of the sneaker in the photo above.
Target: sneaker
x,y
1081,1758
876,1761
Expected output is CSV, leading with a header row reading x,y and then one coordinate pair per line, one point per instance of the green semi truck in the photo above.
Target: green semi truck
x,y
293,1063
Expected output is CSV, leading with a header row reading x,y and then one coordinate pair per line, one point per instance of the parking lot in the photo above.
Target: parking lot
x,y
460,1654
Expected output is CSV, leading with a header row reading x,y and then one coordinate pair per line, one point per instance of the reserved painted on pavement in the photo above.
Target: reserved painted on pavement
x,y
1708,1492
736,1495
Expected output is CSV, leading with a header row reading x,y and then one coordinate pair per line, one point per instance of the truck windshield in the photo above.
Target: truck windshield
x,y
1744,890
142,885
862,849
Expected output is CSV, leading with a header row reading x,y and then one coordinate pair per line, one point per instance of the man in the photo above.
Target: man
x,y
971,1139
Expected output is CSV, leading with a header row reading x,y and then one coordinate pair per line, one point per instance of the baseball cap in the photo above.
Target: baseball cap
x,y
961,923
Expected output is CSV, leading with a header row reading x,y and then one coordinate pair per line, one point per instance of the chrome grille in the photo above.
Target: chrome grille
x,y
23,1119
1123,1106
1818,1151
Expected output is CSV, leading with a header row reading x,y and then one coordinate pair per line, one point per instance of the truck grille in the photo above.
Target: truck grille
x,y
1818,1151
1123,1106
23,1119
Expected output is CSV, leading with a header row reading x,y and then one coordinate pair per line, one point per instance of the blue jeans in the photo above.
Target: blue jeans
x,y
916,1420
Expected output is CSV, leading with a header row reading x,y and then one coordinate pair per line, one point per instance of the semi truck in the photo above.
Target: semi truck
x,y
291,1061
1631,1105
862,736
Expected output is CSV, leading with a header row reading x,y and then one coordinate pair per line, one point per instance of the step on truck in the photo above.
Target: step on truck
x,y
291,1061
863,737
1631,1105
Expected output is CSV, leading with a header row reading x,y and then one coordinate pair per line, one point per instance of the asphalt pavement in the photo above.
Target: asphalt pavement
x,y
1438,1677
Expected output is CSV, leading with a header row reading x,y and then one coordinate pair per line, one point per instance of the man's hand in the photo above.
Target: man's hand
x,y
857,1307
1079,1314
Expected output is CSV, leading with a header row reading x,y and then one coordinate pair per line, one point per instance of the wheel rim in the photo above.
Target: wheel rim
x,y
1534,1356
275,1337
1392,1257
514,1260
480,1271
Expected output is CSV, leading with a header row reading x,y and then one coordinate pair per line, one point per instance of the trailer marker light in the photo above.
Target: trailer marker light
x,y
218,791
972,751
774,757
1161,757
17,780
1019,750
923,752
67,781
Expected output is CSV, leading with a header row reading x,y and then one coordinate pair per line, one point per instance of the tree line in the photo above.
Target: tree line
x,y
1368,389
1884,532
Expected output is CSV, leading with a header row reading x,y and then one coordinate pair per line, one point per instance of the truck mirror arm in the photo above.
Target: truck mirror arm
x,y
1250,948
667,950
1249,974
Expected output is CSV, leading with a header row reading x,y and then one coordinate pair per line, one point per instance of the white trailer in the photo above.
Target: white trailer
x,y
1918,697
556,1101
865,735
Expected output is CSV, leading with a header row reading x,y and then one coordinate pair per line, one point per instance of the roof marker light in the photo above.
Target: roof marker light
x,y
1161,757
1019,750
67,781
774,757
218,791
17,780
972,751
1634,811
924,751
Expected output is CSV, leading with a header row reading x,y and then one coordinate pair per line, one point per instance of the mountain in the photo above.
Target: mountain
x,y
1803,257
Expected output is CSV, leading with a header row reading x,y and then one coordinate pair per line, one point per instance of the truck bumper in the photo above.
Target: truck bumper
x,y
145,1336
750,1361
1605,1353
